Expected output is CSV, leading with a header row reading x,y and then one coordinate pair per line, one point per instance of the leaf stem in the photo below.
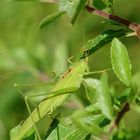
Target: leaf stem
x,y
132,25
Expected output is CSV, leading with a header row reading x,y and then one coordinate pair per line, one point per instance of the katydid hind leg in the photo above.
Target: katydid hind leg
x,y
26,99
30,113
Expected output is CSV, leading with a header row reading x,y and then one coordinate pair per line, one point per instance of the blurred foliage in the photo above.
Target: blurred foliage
x,y
29,55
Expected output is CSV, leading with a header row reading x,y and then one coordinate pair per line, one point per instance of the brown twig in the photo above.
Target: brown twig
x,y
132,25
121,113
125,109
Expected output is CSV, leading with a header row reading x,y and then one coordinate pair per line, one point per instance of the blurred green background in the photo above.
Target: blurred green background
x,y
29,55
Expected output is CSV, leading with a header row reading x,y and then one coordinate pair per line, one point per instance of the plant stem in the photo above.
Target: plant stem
x,y
132,25
120,115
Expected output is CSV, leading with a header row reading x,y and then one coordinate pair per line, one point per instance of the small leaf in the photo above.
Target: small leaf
x,y
123,98
66,133
93,109
89,121
90,87
120,61
104,97
72,8
98,42
66,6
102,93
78,6
50,18
76,134
99,4
92,83
102,4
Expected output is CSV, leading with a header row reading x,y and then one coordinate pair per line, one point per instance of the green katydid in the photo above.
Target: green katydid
x,y
70,81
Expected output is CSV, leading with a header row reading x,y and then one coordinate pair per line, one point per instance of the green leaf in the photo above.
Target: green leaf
x,y
66,6
92,83
120,61
99,4
50,18
104,97
89,121
102,4
65,132
70,82
76,134
78,6
93,109
72,8
123,98
102,94
101,40
90,87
